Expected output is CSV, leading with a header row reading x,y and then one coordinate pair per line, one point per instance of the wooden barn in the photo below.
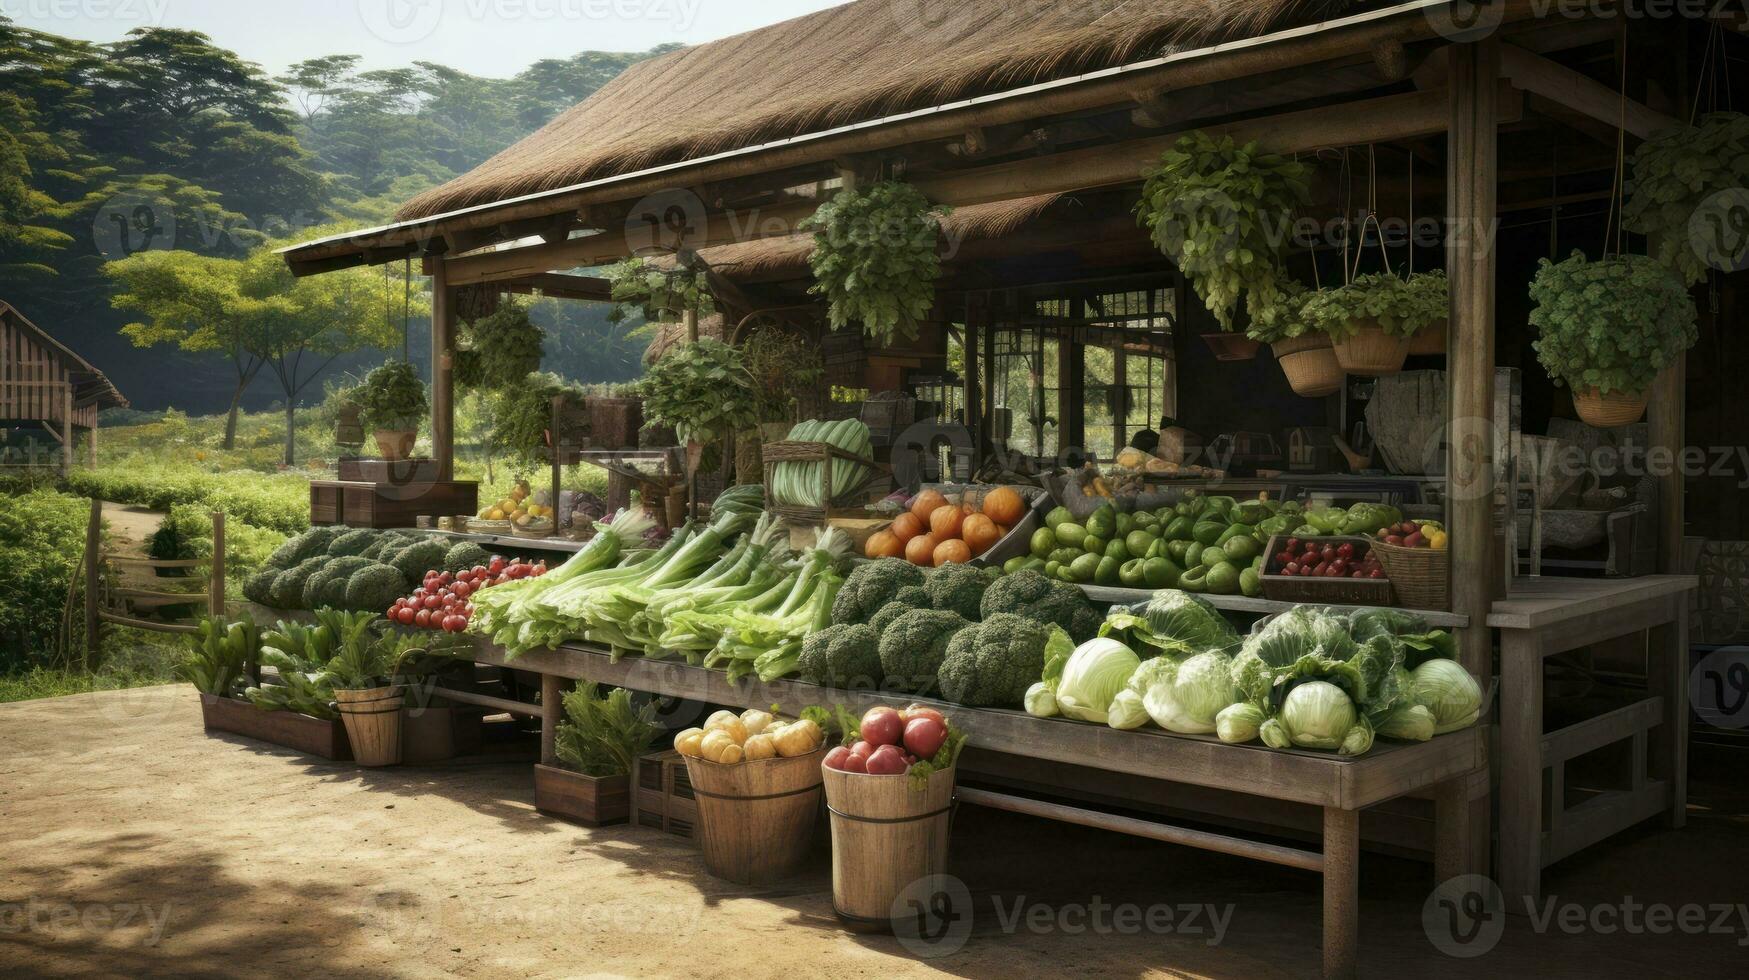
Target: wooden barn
x,y
47,390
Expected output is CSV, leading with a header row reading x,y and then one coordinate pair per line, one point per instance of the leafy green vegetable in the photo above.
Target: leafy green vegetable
x,y
1450,693
604,735
1612,325
991,664
872,586
1173,622
1092,677
1030,594
914,647
1186,697
846,656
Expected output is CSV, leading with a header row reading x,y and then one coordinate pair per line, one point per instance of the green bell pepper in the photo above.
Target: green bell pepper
x,y
1251,582
1070,535
1139,542
1084,568
1160,573
1223,580
1108,572
1194,580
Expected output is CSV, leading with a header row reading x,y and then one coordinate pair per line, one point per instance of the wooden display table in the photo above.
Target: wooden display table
x,y
1547,617
1339,788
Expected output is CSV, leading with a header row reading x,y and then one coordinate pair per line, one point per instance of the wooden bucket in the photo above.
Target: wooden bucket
x,y
886,836
1611,411
1429,341
1310,365
756,819
1372,353
373,724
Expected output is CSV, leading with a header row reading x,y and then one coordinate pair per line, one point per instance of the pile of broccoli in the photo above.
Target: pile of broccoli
x,y
957,631
354,570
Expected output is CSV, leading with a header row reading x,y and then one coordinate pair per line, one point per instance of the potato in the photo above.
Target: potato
x,y
799,738
756,721
759,747
720,748
687,742
730,726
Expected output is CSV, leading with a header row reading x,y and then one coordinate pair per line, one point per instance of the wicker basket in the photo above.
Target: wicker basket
x,y
1611,411
535,531
1232,347
1371,352
490,527
1429,341
1420,576
1308,590
1310,365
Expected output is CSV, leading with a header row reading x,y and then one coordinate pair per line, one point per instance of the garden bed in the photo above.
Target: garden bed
x,y
311,736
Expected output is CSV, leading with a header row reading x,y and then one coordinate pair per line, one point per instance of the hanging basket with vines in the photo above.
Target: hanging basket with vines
x,y
1686,195
876,259
1610,326
640,288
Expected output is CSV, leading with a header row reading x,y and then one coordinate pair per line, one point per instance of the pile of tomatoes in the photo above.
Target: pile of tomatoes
x,y
442,603
1323,559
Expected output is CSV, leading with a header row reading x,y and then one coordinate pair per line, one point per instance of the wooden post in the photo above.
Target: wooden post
x,y
93,578
692,326
552,709
1472,195
442,371
1521,766
1341,891
974,414
66,430
1667,437
91,442
216,584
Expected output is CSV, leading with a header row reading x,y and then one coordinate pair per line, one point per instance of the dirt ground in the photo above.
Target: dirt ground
x,y
132,845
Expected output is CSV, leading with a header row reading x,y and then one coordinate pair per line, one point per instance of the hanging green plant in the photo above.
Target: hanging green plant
x,y
702,389
786,370
1282,319
1401,307
876,258
1611,325
640,288
1686,195
1221,211
499,350
392,398
520,414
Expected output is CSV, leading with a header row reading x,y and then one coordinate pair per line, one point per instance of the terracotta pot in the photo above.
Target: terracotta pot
x,y
1611,411
1429,341
395,445
1232,346
1370,352
1310,365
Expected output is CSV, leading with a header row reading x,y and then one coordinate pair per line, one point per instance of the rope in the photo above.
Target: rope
x,y
1617,191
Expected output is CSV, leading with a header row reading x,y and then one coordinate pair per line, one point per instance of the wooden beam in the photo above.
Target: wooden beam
x,y
558,286
1535,73
443,320
1666,413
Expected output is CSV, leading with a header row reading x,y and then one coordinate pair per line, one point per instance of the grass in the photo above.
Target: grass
x,y
132,658
42,682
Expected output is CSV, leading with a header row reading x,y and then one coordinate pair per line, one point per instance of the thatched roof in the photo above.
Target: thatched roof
x,y
847,64
671,335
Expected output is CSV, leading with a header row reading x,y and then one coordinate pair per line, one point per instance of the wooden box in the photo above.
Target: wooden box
x,y
385,505
614,423
324,504
662,796
1324,591
398,472
311,736
432,735
590,800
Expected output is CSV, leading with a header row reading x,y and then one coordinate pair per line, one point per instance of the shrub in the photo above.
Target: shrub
x,y
42,538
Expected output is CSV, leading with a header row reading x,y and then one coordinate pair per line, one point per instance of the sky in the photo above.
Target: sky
x,y
492,38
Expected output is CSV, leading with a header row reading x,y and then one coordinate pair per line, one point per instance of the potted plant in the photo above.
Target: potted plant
x,y
703,390
1684,184
1219,211
1608,328
294,712
1305,354
599,740
368,690
876,258
496,352
1371,321
392,400
1430,292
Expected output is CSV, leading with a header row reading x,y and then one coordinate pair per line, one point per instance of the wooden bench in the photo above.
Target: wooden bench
x,y
1340,788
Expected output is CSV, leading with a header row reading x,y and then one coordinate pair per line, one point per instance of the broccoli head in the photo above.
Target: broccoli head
x,y
465,556
958,588
417,558
288,586
846,657
302,547
374,588
351,543
327,588
1038,598
871,587
910,597
991,665
913,647
258,588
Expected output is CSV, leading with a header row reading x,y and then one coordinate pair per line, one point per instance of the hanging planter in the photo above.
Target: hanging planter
x,y
1685,183
1309,361
1232,347
1608,329
1371,321
391,402
1370,351
1430,341
876,258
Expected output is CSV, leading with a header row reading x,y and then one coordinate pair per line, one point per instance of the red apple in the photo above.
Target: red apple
x,y
887,761
924,736
921,711
882,726
835,759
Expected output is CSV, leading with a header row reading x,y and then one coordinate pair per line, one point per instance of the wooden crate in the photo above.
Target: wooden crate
x,y
382,505
589,800
615,423
395,472
311,736
325,503
810,452
1324,591
662,796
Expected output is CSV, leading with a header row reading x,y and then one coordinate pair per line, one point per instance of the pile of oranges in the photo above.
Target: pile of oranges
x,y
936,531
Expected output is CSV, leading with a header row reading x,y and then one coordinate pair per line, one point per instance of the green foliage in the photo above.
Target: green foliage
x,y
499,351
1612,325
603,736
521,414
702,389
279,502
1674,174
786,370
186,534
1220,212
1283,320
219,655
374,587
876,258
1401,306
658,295
991,665
393,398
42,538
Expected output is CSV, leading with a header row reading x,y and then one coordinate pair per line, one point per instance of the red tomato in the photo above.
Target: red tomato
x,y
406,616
422,619
921,711
461,590
497,565
394,612
432,601
882,726
855,763
924,736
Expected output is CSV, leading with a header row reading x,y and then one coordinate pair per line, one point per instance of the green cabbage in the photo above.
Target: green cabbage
x,y
1172,622
1419,641
1239,723
1317,715
1270,653
1408,723
1448,691
1186,697
1127,711
1092,678
1358,741
1041,701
